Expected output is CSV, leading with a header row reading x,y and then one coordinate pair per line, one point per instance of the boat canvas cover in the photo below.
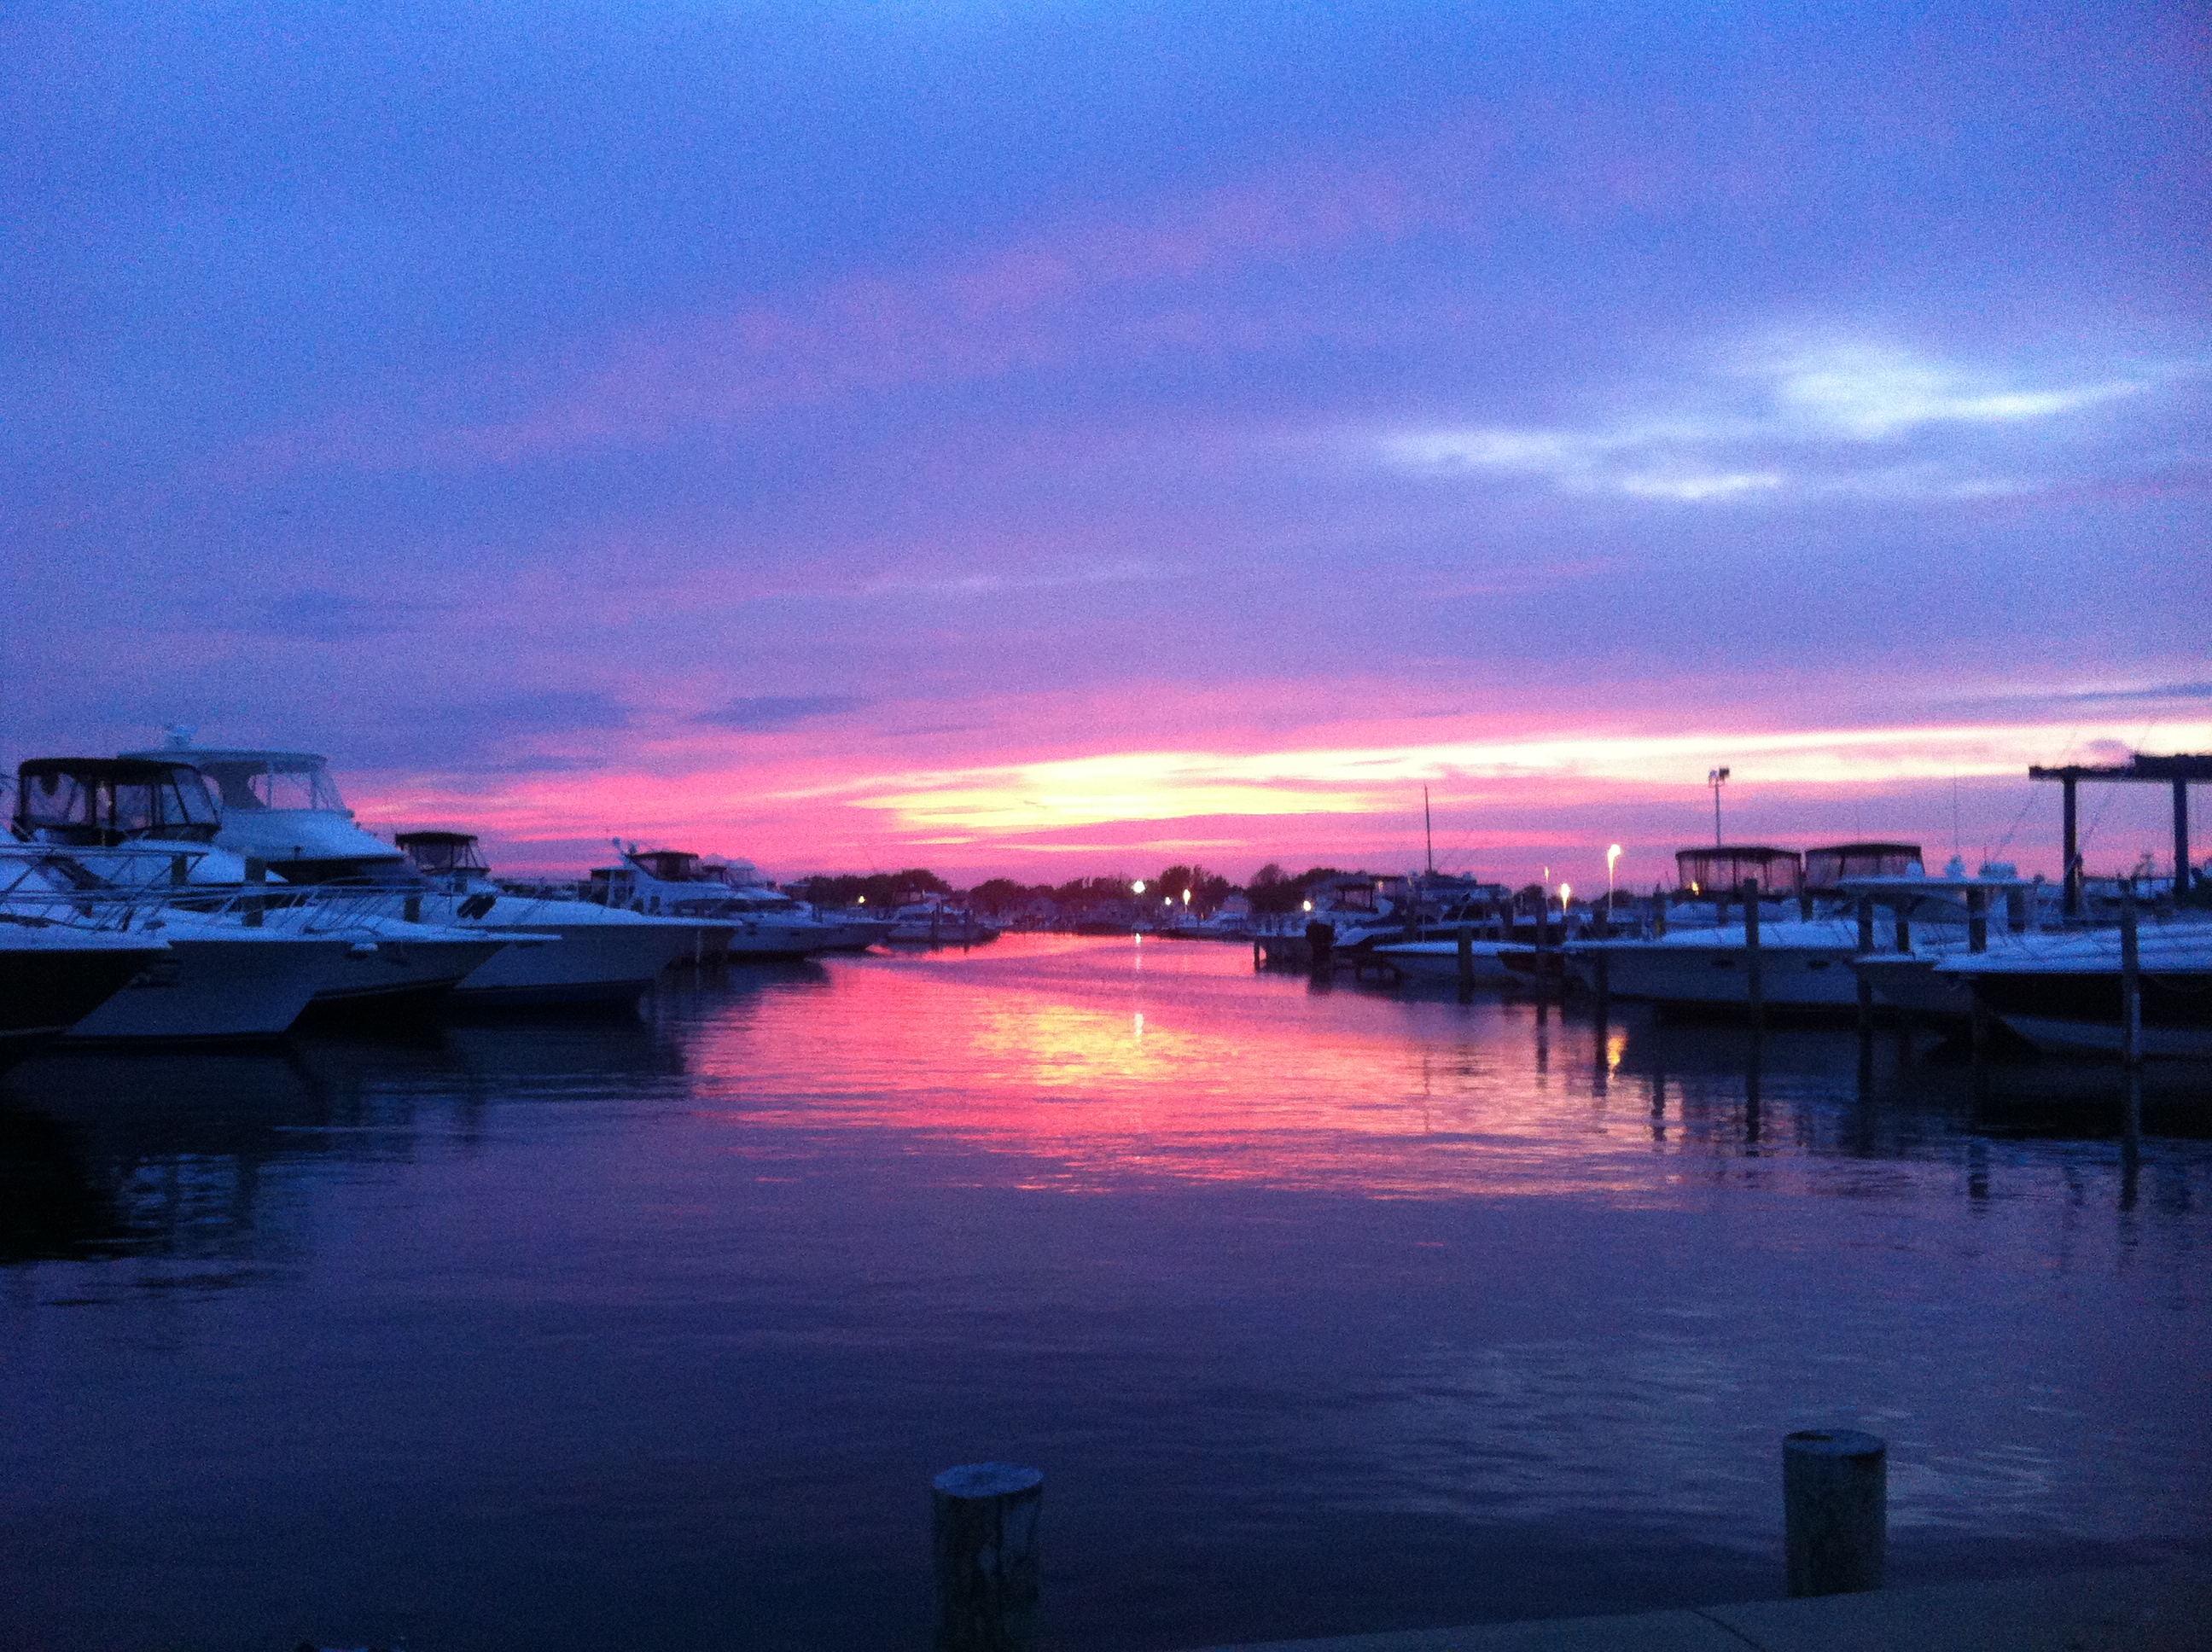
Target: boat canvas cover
x,y
109,800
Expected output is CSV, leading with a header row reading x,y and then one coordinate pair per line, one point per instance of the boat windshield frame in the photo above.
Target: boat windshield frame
x,y
109,800
256,782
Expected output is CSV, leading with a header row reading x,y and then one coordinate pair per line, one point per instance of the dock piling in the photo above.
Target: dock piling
x,y
250,907
2131,978
985,1542
1835,1498
1754,975
1465,962
1866,946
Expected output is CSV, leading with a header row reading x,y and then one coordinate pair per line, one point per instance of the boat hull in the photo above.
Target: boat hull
x,y
242,985
1717,976
1439,960
2068,1010
50,980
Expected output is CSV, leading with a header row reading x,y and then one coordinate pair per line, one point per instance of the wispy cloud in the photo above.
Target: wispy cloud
x,y
1836,418
772,713
1154,786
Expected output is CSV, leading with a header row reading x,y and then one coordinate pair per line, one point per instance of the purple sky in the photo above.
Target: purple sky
x,y
1057,438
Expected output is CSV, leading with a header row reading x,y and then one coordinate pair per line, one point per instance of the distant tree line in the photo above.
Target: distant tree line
x,y
878,889
1271,890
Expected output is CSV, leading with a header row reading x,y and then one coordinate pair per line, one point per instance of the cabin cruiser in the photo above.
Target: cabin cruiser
x,y
2063,992
856,928
215,975
764,923
933,922
139,823
1699,959
283,809
604,955
1933,919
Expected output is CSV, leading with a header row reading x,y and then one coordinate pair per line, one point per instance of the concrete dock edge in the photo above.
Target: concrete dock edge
x,y
2157,1608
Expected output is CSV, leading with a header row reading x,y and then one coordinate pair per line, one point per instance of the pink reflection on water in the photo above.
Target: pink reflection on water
x,y
1097,1064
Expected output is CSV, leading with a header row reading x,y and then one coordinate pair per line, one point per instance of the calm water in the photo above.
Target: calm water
x,y
1321,1310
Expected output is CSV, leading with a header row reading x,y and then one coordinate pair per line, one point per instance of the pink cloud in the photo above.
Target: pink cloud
x,y
1069,293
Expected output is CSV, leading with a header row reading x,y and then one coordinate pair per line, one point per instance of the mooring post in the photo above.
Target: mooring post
x,y
1754,981
1866,947
180,869
1658,915
2016,911
1465,961
250,907
1835,1503
985,1541
2070,831
411,909
2131,978
1978,920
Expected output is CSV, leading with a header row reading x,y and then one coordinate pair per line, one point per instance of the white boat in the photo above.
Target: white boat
x,y
763,923
283,809
1931,920
1703,961
2063,992
601,955
53,974
216,977
1439,960
938,922
149,827
856,928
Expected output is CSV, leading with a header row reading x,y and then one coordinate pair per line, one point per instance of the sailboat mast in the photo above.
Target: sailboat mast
x,y
1428,829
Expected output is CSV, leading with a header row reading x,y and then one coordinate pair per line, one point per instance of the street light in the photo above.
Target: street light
x,y
1137,888
1612,855
1717,778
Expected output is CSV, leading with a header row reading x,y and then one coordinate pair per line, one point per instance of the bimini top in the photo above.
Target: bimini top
x,y
1721,871
441,852
104,801
1829,865
249,780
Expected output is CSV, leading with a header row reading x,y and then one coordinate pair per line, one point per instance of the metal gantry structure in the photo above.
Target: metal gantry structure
x,y
2177,771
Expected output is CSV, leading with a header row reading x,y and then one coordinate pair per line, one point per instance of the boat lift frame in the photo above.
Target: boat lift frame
x,y
2177,771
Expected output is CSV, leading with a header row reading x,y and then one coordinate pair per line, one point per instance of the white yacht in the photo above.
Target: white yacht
x,y
283,809
2063,992
764,922
217,976
53,974
1931,922
934,921
149,827
1702,961
605,954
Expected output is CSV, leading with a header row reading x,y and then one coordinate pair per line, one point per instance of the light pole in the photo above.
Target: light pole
x,y
1717,778
1612,859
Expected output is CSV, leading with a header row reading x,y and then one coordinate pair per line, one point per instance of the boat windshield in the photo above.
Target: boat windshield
x,y
280,782
113,799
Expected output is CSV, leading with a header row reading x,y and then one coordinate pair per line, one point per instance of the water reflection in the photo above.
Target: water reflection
x,y
1302,1296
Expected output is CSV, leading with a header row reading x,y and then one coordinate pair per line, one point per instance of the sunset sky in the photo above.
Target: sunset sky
x,y
1060,439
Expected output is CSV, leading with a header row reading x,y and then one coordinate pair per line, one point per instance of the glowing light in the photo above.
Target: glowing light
x,y
1309,906
1565,892
1137,888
